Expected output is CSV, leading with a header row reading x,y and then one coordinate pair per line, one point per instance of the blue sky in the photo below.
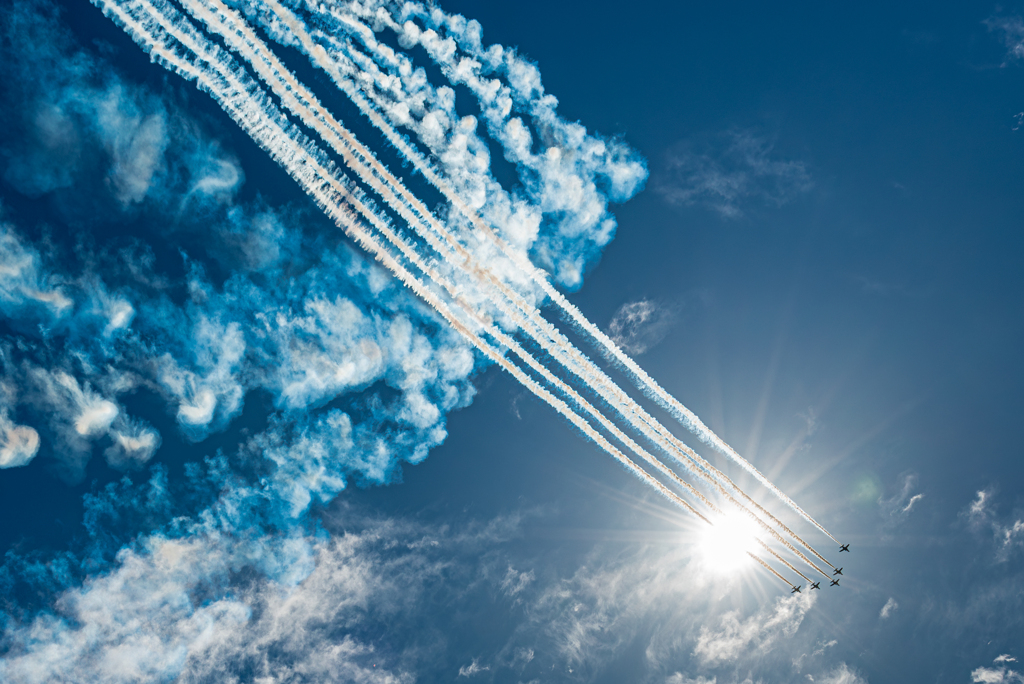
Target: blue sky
x,y
236,449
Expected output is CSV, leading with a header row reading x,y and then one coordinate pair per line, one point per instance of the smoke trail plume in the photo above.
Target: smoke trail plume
x,y
231,87
304,162
552,341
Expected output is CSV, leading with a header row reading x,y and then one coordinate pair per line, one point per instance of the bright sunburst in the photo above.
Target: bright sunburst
x,y
724,545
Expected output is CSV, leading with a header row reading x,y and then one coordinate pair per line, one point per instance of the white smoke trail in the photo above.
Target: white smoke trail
x,y
770,569
231,27
344,194
559,347
303,162
466,71
783,560
303,103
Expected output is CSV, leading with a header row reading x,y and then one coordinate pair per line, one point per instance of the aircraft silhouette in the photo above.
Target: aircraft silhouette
x,y
839,571
814,585
796,590
844,547
835,583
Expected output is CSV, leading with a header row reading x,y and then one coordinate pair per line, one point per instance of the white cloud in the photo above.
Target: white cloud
x,y
811,419
897,508
472,669
1011,30
910,504
758,632
638,326
135,141
842,674
680,678
19,444
24,281
977,509
522,657
169,609
1008,536
997,675
515,582
739,167
888,609
134,443
1013,534
988,675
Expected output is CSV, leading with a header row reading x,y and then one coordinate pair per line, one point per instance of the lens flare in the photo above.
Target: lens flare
x,y
724,545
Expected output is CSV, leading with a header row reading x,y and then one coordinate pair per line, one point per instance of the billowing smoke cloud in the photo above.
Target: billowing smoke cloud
x,y
76,125
18,443
638,326
305,326
202,303
558,209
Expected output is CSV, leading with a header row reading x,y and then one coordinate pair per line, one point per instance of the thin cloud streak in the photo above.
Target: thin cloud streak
x,y
738,169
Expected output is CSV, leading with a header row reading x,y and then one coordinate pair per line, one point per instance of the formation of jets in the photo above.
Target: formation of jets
x,y
835,581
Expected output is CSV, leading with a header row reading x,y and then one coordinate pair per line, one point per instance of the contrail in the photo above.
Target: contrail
x,y
608,347
303,161
783,560
293,93
344,193
304,104
770,569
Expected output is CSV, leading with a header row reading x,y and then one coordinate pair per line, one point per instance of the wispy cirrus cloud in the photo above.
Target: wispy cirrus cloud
x,y
209,604
18,443
637,326
1003,674
735,636
1010,30
680,678
729,172
897,508
656,600
1007,531
473,668
843,674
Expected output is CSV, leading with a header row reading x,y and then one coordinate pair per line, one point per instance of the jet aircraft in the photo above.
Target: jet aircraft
x,y
796,590
839,571
844,547
835,583
814,585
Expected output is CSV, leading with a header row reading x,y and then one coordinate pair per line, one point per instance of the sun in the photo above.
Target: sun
x,y
723,546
